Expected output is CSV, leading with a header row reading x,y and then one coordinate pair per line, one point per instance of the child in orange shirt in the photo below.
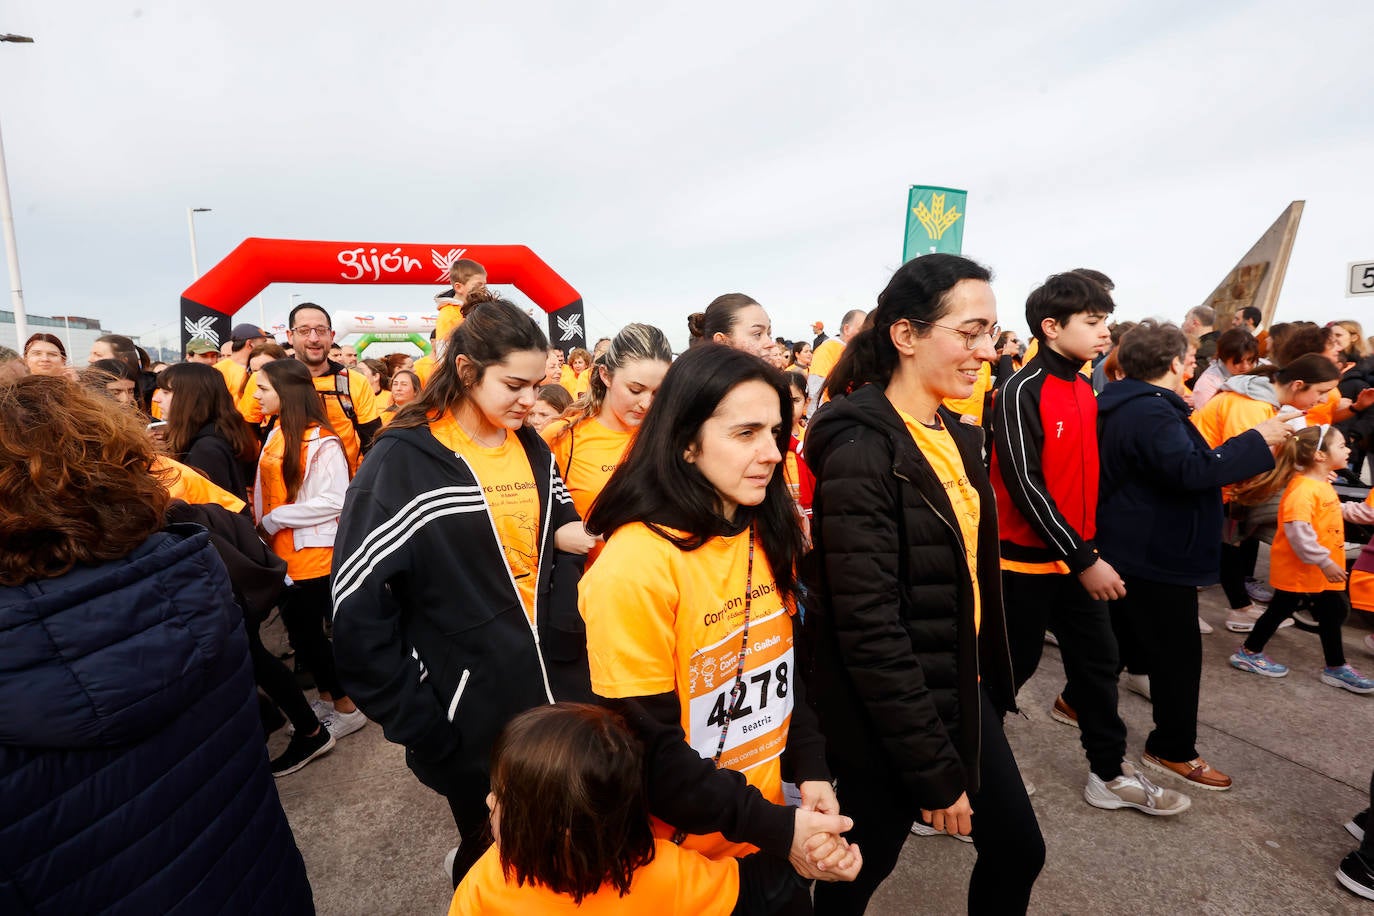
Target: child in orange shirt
x,y
571,831
1307,561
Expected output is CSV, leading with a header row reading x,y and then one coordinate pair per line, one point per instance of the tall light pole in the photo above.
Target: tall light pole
x,y
191,224
21,321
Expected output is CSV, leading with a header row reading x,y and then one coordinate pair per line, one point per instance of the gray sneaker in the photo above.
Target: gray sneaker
x,y
1132,790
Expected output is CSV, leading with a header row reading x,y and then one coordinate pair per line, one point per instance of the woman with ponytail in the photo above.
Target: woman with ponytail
x,y
454,608
735,320
912,667
593,435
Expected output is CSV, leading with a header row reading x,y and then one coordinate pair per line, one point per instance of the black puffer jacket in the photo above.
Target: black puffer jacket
x,y
896,658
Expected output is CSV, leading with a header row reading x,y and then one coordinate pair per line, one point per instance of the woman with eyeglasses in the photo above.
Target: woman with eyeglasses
x,y
912,666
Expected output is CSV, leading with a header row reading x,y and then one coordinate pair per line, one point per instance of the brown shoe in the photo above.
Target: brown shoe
x,y
1197,771
1064,713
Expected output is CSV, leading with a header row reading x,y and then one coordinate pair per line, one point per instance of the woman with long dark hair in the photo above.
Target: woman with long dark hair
x,y
689,613
203,429
301,481
45,355
451,611
735,320
913,670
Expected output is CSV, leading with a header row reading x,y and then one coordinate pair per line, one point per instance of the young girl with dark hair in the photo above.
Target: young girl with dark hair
x,y
591,438
570,820
800,481
452,612
1307,561
302,476
735,320
204,430
689,615
913,669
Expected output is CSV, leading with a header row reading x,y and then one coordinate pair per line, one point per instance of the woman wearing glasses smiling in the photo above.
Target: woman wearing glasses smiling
x,y
912,667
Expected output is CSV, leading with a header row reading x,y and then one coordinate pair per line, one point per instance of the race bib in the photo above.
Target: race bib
x,y
761,712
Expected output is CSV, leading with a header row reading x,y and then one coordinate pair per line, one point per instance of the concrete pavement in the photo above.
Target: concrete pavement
x,y
1300,753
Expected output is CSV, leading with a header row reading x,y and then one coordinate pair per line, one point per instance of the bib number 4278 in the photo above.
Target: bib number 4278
x,y
763,685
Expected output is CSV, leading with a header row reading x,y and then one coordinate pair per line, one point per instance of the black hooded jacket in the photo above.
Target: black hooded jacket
x,y
892,636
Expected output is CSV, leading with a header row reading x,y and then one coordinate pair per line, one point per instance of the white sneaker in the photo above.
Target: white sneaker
x,y
1051,639
1136,683
1244,619
448,862
1259,591
342,724
322,709
922,829
1203,626
1132,790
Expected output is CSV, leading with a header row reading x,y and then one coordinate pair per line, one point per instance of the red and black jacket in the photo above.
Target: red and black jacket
x,y
1045,463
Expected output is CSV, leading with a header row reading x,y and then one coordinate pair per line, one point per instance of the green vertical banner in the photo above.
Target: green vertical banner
x,y
934,221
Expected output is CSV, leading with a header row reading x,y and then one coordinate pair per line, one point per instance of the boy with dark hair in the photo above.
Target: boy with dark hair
x,y
1159,524
1045,476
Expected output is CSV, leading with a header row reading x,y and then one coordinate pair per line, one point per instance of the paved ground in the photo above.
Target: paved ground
x,y
1300,753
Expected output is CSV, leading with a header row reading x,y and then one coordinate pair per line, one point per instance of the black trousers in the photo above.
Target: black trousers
x,y
1367,845
1159,621
1237,563
1088,646
1011,850
279,683
305,606
1329,607
466,793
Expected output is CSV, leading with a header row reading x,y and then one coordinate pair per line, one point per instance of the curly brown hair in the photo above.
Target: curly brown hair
x,y
76,480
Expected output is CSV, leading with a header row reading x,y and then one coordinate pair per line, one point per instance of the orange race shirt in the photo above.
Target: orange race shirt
x,y
587,454
507,482
662,619
235,378
940,449
1228,414
1325,409
425,367
308,562
359,392
824,357
188,485
1362,581
678,882
1315,502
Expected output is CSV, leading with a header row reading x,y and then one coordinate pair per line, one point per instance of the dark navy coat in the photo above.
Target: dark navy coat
x,y
133,772
1159,514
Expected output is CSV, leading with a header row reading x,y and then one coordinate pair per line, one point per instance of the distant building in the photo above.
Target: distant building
x,y
76,333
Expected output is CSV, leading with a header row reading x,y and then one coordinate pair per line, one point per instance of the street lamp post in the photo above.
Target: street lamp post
x,y
21,322
191,224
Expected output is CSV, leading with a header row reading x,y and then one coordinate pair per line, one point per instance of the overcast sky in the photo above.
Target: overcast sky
x,y
657,155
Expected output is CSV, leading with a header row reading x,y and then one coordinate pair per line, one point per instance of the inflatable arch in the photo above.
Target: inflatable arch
x,y
209,304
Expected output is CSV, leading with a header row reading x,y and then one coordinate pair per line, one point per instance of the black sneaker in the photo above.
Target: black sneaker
x,y
1356,825
302,750
1356,876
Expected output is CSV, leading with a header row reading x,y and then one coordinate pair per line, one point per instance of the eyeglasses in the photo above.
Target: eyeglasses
x,y
312,333
971,338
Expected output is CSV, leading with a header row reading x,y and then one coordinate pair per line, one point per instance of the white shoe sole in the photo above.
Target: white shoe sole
x,y
1251,669
1354,830
1204,627
1151,765
340,727
324,749
1354,886
1062,719
920,829
1330,681
1246,626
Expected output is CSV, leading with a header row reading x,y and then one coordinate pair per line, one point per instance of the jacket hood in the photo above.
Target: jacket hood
x,y
1253,386
106,655
1121,392
867,407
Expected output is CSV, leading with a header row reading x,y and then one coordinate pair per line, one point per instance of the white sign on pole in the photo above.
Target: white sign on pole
x,y
1360,279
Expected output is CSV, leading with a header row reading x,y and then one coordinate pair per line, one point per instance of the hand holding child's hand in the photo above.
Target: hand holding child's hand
x,y
1333,572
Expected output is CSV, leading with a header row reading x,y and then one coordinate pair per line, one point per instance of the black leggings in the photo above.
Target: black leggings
x,y
1329,607
1011,850
279,684
1238,563
305,606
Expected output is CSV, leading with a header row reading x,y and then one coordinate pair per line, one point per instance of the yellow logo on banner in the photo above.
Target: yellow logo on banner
x,y
935,218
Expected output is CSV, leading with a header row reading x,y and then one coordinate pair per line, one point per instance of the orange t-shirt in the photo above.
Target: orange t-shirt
x,y
595,454
1361,582
235,378
824,358
972,406
1228,414
1315,502
307,562
678,882
425,367
507,482
187,485
663,619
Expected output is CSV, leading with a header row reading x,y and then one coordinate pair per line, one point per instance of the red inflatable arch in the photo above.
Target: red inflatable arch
x,y
209,304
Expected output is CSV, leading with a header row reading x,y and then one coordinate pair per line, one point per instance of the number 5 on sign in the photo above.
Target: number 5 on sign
x,y
1360,279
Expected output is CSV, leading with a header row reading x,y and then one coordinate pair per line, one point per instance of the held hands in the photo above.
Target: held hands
x,y
573,538
1102,582
956,820
818,851
1274,431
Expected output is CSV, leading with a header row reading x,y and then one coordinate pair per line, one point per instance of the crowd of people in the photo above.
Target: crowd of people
x,y
708,632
